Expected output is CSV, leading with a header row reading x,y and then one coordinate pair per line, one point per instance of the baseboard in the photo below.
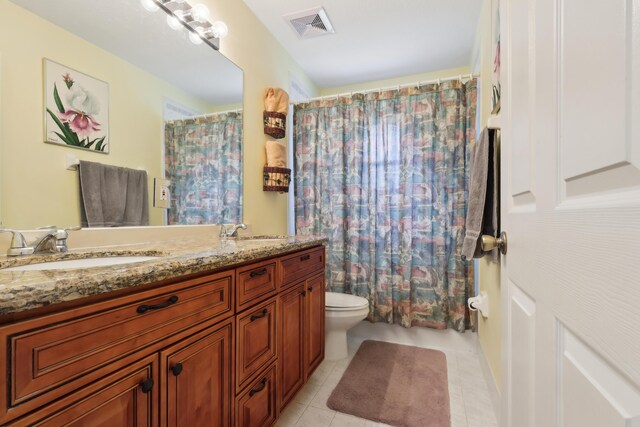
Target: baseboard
x,y
494,393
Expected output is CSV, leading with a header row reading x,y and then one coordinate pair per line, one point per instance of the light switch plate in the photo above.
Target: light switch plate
x,y
161,193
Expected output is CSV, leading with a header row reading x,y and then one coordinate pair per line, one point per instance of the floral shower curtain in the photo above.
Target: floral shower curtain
x,y
385,177
203,160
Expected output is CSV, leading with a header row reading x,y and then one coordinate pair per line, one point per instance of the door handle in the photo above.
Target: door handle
x,y
259,388
257,273
176,369
144,308
490,243
259,316
146,385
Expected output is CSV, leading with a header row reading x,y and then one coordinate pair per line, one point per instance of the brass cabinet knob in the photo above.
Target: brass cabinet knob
x,y
489,243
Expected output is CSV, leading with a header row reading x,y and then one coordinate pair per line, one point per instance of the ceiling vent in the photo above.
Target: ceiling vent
x,y
310,23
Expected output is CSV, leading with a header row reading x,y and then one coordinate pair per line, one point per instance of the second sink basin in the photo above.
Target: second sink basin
x,y
81,263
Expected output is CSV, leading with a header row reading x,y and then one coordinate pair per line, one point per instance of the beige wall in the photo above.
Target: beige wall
x,y
402,80
36,188
266,64
489,330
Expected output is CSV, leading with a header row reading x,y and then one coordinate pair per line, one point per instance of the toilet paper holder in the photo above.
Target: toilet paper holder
x,y
479,303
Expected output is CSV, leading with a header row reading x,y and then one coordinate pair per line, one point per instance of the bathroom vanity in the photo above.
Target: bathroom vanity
x,y
207,335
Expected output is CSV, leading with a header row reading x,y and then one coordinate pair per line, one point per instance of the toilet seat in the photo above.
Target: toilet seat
x,y
335,301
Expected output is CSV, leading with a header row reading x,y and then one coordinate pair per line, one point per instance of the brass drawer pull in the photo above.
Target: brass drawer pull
x,y
259,388
144,308
305,257
259,316
257,273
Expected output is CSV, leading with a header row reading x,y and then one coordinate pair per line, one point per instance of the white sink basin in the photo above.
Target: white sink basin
x,y
81,263
274,240
260,239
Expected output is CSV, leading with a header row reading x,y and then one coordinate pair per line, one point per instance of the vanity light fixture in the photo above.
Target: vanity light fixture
x,y
195,18
217,30
150,5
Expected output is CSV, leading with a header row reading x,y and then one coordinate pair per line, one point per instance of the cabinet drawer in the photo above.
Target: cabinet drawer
x,y
256,405
302,264
53,356
254,283
256,340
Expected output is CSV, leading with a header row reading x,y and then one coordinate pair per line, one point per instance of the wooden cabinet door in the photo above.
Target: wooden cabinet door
x,y
197,379
314,324
291,336
128,398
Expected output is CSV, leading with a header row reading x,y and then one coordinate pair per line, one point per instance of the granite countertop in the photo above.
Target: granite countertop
x,y
24,290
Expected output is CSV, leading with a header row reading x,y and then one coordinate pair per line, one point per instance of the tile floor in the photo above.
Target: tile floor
x,y
469,400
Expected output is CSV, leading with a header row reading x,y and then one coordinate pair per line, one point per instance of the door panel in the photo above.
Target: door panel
x,y
585,377
522,310
588,164
523,93
197,374
255,341
291,336
570,278
119,400
314,324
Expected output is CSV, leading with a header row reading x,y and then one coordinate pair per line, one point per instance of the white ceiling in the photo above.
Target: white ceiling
x,y
376,39
143,39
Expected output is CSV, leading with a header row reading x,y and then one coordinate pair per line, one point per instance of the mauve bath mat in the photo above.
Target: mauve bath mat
x,y
395,384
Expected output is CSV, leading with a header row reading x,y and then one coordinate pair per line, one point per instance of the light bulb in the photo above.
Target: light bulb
x,y
174,22
149,5
195,37
220,29
200,13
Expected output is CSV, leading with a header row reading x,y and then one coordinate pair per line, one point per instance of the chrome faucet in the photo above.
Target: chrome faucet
x,y
18,243
55,241
232,231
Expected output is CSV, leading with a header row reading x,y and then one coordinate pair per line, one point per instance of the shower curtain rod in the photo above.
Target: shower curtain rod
x,y
202,116
422,83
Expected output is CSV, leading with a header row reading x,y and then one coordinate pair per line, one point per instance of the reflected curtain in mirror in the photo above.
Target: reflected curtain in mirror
x,y
385,177
203,161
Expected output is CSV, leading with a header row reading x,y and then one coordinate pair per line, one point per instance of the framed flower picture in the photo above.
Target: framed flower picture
x,y
76,109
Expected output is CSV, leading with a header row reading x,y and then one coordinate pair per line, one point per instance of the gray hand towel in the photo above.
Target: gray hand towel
x,y
112,196
482,212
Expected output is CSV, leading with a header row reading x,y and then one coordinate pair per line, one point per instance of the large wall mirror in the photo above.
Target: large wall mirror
x,y
174,110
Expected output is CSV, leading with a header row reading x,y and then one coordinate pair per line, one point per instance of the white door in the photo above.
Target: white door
x,y
571,208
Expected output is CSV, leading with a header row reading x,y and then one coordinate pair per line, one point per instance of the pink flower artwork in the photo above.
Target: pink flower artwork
x,y
76,109
81,123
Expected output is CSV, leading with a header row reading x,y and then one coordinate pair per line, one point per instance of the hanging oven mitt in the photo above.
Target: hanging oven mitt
x,y
276,105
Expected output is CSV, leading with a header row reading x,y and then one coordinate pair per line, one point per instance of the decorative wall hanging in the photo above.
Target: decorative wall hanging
x,y
276,106
76,108
276,179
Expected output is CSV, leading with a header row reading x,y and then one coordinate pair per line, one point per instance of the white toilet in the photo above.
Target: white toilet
x,y
343,312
